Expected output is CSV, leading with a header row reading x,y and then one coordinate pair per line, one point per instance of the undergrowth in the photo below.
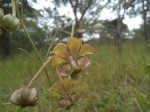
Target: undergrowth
x,y
116,82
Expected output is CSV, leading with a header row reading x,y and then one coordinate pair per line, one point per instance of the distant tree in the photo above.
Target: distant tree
x,y
142,8
120,8
85,12
112,27
145,10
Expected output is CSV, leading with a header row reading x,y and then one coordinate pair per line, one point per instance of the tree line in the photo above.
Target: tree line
x,y
86,22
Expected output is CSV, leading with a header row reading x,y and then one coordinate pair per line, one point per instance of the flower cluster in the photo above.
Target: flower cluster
x,y
66,93
69,60
71,57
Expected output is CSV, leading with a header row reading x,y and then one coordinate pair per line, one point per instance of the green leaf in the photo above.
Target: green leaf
x,y
147,69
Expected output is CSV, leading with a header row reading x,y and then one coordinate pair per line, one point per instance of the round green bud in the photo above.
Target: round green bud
x,y
1,15
10,23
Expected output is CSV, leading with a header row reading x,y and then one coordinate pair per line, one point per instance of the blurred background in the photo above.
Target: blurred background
x,y
119,75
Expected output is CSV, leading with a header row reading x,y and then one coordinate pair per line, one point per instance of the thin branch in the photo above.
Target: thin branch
x,y
35,49
25,52
38,73
86,8
74,7
72,30
96,15
66,32
51,44
30,39
21,11
13,7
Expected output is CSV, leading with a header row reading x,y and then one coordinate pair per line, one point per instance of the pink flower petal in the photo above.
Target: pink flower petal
x,y
62,103
75,97
83,62
65,69
73,63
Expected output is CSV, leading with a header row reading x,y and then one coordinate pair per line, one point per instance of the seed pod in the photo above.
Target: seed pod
x,y
24,97
10,23
1,15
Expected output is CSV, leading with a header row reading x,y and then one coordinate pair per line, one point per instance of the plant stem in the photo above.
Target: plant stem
x,y
141,110
38,73
29,37
35,49
13,7
50,46
72,30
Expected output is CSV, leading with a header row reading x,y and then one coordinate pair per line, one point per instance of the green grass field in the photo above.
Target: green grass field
x,y
116,82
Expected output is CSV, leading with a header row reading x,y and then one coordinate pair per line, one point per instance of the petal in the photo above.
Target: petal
x,y
86,49
56,61
61,50
56,95
68,83
62,103
58,88
65,69
79,85
73,63
74,45
75,98
83,62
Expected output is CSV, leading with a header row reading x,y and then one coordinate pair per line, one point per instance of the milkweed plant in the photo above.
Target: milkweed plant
x,y
69,62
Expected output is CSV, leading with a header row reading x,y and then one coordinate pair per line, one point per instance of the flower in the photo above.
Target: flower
x,y
24,96
71,56
65,93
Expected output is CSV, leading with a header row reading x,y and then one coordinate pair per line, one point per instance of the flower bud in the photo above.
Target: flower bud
x,y
62,103
24,97
1,15
75,97
10,23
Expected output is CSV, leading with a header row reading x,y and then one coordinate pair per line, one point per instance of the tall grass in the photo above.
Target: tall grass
x,y
116,82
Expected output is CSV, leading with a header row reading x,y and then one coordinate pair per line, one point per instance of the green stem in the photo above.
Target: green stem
x,y
13,7
38,73
18,12
32,44
29,37
51,44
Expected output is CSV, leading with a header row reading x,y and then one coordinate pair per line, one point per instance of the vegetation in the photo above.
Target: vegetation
x,y
115,82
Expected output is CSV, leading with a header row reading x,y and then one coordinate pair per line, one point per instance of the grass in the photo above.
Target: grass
x,y
116,82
